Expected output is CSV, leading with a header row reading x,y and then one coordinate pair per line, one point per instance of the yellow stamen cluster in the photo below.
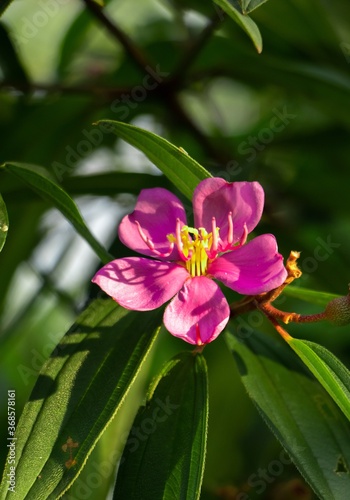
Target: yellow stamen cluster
x,y
194,246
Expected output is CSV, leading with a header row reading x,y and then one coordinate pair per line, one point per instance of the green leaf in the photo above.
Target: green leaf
x,y
167,461
79,390
73,40
105,184
312,296
250,5
232,8
112,183
328,370
37,178
298,410
4,223
182,170
9,60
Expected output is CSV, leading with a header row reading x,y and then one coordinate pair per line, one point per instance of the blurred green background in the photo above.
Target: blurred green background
x,y
186,71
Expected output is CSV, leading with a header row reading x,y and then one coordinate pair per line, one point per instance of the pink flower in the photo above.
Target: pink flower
x,y
185,260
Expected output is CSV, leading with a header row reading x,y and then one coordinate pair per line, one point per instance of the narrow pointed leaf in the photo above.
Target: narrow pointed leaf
x,y
250,5
4,223
312,296
233,9
182,170
298,410
167,459
73,40
328,370
38,180
79,390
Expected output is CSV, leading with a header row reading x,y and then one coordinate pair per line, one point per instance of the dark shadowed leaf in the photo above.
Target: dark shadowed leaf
x,y
9,60
112,183
168,461
298,410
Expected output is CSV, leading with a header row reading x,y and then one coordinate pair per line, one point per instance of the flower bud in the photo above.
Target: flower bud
x,y
338,311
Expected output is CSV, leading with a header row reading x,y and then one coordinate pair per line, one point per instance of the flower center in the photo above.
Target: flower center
x,y
196,247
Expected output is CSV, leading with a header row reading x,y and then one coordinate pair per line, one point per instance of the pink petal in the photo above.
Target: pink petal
x,y
217,198
198,313
156,211
254,268
141,284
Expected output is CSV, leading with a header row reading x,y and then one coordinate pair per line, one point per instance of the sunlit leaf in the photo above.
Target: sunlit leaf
x,y
182,170
168,460
78,391
298,410
328,370
37,179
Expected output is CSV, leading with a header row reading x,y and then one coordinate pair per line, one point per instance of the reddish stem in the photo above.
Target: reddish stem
x,y
285,335
288,317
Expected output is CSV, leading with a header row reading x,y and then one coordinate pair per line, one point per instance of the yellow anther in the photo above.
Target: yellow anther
x,y
193,245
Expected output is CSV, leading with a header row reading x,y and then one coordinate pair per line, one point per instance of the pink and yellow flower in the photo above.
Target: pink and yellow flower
x,y
185,260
